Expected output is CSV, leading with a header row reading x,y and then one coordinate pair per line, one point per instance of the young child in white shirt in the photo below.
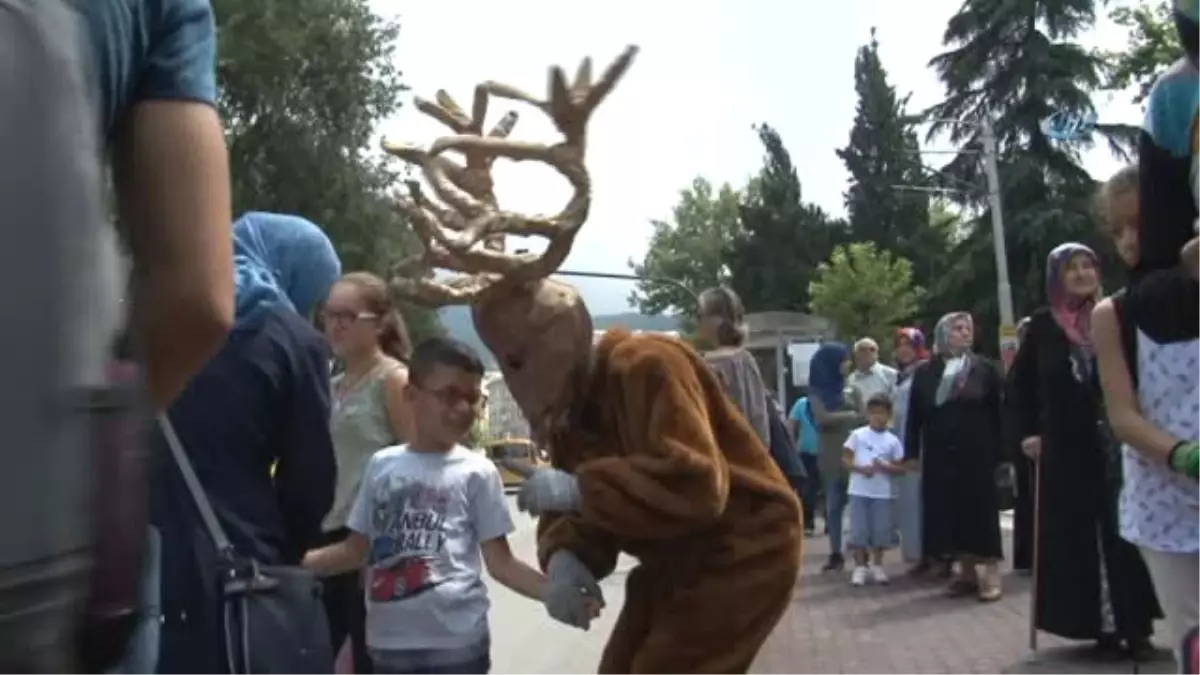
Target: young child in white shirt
x,y
873,456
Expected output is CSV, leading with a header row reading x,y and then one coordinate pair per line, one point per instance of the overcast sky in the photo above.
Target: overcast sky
x,y
707,71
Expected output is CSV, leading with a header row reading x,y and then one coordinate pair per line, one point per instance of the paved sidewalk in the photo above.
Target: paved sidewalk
x,y
912,627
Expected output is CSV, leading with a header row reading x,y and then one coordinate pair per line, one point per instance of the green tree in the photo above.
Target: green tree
x,y
1152,47
1018,63
884,153
783,239
866,291
688,249
303,85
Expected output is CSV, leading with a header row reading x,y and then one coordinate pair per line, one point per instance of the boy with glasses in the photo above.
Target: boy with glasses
x,y
428,516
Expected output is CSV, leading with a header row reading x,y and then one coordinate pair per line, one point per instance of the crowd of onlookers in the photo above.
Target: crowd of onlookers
x,y
1089,436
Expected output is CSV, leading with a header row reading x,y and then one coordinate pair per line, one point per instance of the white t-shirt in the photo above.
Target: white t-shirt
x,y
425,514
869,445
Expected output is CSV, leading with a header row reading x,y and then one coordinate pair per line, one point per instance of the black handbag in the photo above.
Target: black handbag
x,y
272,616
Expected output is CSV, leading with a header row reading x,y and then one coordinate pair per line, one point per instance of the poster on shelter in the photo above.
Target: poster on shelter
x,y
801,354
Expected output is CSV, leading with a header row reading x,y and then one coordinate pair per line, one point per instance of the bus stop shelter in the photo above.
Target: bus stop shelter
x,y
774,338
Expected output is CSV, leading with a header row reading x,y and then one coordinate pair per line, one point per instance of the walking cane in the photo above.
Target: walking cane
x,y
1036,562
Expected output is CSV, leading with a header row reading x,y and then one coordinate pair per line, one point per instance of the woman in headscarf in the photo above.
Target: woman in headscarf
x,y
1148,344
837,409
909,351
953,431
262,401
1091,585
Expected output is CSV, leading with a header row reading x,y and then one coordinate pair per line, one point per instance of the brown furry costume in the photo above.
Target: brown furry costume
x,y
664,465
671,473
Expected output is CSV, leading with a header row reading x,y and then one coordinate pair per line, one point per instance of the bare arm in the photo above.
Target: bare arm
x,y
347,555
1120,397
172,177
825,418
510,570
398,411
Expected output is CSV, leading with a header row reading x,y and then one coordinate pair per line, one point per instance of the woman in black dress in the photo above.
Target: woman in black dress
x,y
1092,585
954,420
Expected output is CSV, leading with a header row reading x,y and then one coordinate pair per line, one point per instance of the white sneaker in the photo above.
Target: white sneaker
x,y
859,576
878,575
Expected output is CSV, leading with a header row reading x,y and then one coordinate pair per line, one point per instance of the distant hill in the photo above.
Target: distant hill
x,y
457,321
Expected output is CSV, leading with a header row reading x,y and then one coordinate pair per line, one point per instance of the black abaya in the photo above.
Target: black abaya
x,y
960,441
1022,525
1055,396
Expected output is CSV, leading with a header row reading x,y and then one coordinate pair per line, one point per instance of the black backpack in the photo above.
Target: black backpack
x,y
783,447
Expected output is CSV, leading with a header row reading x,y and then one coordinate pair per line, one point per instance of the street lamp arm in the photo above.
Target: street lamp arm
x,y
632,277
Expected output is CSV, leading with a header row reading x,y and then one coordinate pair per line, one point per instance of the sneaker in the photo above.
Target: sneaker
x,y
836,563
859,576
878,575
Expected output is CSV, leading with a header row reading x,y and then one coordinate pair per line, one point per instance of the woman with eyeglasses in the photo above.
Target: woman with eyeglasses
x,y
369,413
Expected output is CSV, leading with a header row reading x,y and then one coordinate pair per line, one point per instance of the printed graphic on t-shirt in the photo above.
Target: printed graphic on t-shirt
x,y
410,525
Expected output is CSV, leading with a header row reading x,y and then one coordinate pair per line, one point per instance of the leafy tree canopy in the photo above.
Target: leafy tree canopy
x,y
303,85
1152,47
688,249
783,239
1017,63
883,158
867,291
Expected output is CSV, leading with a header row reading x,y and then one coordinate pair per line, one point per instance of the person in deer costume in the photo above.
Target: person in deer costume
x,y
649,457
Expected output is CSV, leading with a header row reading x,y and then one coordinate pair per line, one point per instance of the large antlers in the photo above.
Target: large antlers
x,y
463,230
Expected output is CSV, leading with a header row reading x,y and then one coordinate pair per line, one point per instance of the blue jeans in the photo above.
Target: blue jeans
x,y
871,524
812,484
835,508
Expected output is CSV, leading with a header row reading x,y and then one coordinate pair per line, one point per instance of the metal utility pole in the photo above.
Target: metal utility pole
x,y
1008,329
1003,289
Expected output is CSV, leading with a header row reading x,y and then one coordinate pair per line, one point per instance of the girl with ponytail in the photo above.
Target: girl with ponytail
x,y
368,413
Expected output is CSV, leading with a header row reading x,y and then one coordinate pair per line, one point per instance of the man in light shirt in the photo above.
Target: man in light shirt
x,y
870,376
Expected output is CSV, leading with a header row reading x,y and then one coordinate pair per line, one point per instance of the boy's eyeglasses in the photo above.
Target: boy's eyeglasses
x,y
451,396
346,317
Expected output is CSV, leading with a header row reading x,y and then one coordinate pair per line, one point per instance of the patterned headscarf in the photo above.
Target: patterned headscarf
x,y
280,261
915,339
1073,314
958,366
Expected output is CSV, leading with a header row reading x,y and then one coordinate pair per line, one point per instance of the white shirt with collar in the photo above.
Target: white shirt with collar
x,y
874,380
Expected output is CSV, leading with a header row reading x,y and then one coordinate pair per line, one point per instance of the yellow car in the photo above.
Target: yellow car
x,y
520,450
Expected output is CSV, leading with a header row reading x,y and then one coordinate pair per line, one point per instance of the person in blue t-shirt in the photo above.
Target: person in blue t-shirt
x,y
152,75
802,426
133,82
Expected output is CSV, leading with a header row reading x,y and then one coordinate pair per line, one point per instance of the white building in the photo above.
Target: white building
x,y
504,416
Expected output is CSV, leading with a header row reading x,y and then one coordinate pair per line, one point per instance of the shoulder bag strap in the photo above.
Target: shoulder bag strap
x,y
224,548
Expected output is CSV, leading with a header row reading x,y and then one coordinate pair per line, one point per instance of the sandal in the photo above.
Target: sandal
x,y
920,569
989,588
963,587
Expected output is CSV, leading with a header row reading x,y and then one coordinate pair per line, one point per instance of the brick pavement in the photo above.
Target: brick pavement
x,y
912,627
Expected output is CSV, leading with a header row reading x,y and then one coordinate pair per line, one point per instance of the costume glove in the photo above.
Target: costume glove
x,y
572,593
547,489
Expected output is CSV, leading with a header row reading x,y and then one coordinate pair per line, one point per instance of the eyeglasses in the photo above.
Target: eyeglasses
x,y
345,317
451,396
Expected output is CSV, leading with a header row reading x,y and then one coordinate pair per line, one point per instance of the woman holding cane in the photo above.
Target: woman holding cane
x,y
1090,584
